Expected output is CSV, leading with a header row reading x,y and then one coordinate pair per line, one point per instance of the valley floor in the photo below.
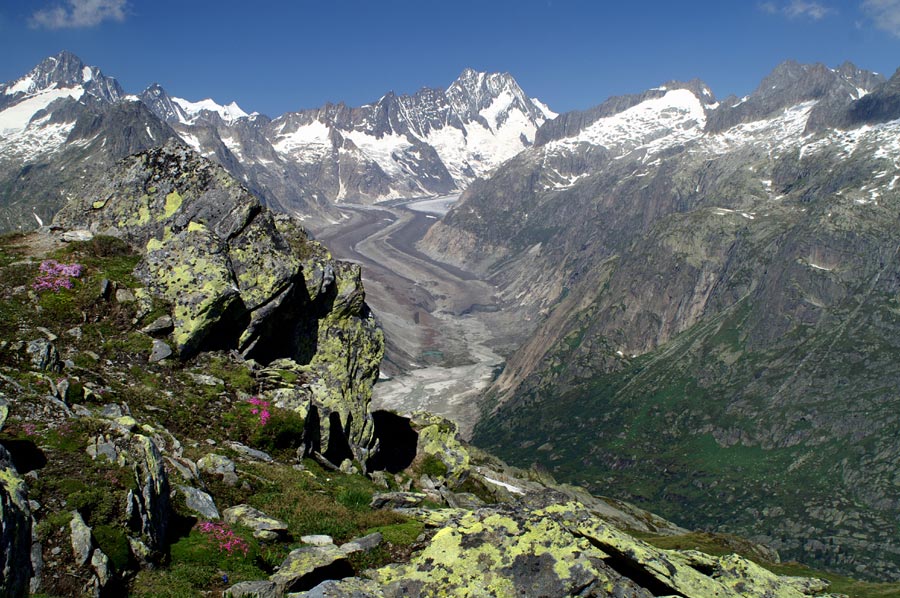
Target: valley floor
x,y
445,333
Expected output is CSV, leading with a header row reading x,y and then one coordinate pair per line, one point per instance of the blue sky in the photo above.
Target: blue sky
x,y
277,56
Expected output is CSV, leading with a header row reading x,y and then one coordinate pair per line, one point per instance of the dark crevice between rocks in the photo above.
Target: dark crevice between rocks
x,y
629,568
338,444
26,456
336,570
290,331
338,447
312,435
179,527
707,570
223,335
397,442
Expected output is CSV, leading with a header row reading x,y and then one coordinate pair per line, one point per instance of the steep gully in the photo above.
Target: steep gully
x,y
443,325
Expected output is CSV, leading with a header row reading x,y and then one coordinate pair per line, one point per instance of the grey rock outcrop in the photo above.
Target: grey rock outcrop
x,y
15,530
235,275
44,355
397,500
82,543
148,504
199,502
253,589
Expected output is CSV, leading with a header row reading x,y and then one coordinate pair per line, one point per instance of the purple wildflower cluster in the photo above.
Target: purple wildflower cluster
x,y
55,276
223,537
261,408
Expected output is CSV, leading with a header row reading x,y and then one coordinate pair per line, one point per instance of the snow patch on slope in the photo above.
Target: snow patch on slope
x,y
307,143
674,118
16,118
23,85
380,150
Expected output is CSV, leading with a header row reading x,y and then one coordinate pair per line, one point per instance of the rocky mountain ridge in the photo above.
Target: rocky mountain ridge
x,y
160,436
64,118
716,280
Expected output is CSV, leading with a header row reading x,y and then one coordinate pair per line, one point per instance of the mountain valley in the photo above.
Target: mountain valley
x,y
683,302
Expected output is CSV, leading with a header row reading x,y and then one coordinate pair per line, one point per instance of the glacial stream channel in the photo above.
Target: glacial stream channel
x,y
441,323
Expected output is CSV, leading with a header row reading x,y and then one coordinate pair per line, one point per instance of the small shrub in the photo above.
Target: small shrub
x,y
114,544
282,431
400,534
47,526
352,498
433,467
102,246
235,375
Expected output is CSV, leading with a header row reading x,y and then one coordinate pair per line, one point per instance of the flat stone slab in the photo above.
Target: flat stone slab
x,y
160,351
317,540
397,500
364,544
263,526
249,453
253,589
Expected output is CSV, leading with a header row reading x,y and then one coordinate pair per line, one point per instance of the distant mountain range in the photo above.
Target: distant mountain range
x,y
716,284
64,116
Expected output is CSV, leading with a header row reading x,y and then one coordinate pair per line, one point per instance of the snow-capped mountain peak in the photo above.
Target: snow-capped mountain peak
x,y
229,112
474,92
63,71
431,142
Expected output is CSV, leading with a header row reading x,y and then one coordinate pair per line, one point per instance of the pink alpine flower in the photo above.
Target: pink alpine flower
x,y
55,276
261,408
223,537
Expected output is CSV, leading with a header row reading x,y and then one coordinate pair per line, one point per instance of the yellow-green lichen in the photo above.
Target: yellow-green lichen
x,y
197,282
438,438
173,203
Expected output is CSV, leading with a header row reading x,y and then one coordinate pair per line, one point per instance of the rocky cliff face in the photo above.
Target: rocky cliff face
x,y
240,278
716,280
184,383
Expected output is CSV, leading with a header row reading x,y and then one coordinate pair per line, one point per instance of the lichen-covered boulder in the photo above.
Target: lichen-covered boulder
x,y
82,544
15,530
539,547
349,348
191,270
439,439
4,411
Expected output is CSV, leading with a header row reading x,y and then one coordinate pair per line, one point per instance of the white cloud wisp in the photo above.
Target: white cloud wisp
x,y
79,13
